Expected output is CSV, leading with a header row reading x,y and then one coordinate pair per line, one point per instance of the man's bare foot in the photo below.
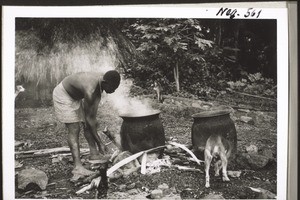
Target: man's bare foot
x,y
80,172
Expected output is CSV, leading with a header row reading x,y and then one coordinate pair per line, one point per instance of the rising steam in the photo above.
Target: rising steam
x,y
103,60
124,104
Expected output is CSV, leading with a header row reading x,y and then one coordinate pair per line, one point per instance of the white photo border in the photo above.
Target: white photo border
x,y
270,10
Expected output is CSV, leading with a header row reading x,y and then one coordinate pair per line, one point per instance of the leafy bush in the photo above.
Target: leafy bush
x,y
255,84
171,48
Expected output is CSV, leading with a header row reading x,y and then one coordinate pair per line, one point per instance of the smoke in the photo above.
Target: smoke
x,y
124,104
89,57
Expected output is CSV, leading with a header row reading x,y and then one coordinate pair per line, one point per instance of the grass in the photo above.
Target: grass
x,y
48,68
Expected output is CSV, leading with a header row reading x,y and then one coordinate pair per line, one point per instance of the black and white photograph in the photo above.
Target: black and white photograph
x,y
145,102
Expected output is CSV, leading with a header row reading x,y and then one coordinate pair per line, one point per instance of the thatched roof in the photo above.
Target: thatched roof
x,y
49,49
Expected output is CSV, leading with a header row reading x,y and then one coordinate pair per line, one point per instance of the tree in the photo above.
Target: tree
x,y
176,42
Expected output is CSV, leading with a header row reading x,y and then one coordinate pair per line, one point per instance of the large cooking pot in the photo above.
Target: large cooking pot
x,y
141,131
211,122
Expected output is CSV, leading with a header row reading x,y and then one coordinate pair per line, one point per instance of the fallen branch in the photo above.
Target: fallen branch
x,y
49,151
177,98
19,143
26,152
30,156
264,194
55,150
69,154
61,154
47,195
252,95
187,150
184,168
18,164
51,184
192,160
143,163
244,107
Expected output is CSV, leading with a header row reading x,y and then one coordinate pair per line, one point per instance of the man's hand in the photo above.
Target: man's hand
x,y
102,148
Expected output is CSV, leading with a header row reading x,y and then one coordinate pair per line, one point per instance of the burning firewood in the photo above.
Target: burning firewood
x,y
120,160
128,167
88,179
123,162
97,181
94,184
187,150
135,156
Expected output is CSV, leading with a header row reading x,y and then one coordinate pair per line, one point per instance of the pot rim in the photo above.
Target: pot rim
x,y
211,113
133,115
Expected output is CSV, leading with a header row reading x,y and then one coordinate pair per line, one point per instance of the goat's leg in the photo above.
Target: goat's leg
x,y
218,166
208,158
224,167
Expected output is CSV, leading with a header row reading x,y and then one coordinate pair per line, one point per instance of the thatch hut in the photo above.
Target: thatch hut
x,y
47,50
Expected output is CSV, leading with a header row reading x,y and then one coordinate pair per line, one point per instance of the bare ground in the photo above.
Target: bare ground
x,y
39,128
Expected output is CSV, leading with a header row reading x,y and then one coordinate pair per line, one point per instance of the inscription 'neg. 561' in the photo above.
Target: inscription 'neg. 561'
x,y
232,13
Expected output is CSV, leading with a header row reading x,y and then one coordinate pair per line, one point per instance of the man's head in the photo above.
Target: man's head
x,y
111,81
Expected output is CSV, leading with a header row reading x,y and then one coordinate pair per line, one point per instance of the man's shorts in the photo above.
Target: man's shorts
x,y
67,110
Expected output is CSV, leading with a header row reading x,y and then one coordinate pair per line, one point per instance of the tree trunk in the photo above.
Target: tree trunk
x,y
176,76
219,35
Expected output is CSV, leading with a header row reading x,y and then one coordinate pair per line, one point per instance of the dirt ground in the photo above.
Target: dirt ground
x,y
40,130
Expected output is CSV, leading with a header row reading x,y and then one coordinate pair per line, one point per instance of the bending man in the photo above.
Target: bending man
x,y
76,101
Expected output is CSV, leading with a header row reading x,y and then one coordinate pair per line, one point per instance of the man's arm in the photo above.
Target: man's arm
x,y
90,108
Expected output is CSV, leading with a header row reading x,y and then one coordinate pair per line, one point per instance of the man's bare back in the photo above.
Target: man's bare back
x,y
80,84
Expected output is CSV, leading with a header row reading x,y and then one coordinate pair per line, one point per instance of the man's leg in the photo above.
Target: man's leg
x,y
94,153
73,141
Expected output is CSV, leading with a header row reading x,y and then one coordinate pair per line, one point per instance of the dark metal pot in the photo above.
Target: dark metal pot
x,y
141,132
211,122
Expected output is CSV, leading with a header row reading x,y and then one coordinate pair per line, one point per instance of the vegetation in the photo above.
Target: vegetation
x,y
254,84
170,47
189,57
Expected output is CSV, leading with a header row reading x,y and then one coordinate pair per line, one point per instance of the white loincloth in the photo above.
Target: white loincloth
x,y
67,110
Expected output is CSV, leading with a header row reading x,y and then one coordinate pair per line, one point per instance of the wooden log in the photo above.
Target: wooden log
x,y
24,156
184,168
255,96
48,151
